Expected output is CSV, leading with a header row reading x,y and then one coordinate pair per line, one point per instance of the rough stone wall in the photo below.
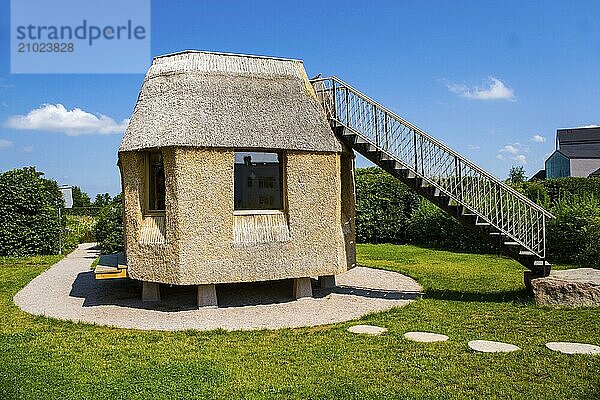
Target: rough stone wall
x,y
200,243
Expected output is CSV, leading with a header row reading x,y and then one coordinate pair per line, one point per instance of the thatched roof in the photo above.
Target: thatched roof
x,y
204,99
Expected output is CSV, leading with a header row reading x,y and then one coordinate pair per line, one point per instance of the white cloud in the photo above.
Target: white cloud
x,y
27,149
513,152
495,90
521,159
510,149
75,122
473,147
5,144
538,139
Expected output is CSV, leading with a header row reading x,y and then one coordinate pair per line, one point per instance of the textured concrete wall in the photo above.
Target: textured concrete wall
x,y
200,245
348,204
147,261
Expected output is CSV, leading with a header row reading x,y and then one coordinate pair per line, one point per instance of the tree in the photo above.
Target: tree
x,y
102,199
109,229
517,174
80,198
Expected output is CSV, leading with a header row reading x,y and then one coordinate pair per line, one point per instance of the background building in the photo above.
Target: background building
x,y
577,153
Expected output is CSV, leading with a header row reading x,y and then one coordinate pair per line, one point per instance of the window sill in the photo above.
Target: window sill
x,y
154,214
257,212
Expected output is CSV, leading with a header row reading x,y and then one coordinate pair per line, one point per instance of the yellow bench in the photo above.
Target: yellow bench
x,y
111,266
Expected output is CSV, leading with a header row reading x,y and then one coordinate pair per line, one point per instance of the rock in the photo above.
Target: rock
x,y
487,346
425,337
573,348
579,287
367,329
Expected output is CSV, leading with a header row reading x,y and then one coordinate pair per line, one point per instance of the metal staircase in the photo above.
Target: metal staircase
x,y
477,199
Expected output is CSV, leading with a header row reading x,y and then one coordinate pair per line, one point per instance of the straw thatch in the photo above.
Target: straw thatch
x,y
203,99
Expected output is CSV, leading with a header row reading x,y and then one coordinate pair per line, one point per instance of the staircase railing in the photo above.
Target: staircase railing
x,y
461,180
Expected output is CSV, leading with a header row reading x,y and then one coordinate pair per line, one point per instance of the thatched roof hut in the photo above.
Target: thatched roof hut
x,y
202,99
231,173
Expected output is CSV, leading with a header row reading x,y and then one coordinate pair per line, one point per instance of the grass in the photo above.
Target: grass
x,y
467,297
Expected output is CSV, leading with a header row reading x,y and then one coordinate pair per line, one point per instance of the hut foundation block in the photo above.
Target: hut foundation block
x,y
150,291
327,281
302,288
207,296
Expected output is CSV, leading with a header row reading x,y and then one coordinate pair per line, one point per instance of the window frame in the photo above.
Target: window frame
x,y
147,166
282,159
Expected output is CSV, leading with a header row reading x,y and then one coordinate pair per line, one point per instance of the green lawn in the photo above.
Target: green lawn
x,y
468,297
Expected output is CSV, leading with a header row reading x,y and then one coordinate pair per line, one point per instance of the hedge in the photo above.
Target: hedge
x,y
29,223
429,226
574,235
383,207
87,211
387,211
559,189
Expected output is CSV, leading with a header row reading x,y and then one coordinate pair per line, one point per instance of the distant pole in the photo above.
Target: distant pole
x,y
59,231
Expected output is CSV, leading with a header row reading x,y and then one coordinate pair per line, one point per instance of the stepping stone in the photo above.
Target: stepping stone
x,y
367,329
425,337
573,348
488,346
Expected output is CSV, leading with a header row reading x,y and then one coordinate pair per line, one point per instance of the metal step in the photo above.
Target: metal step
x,y
385,157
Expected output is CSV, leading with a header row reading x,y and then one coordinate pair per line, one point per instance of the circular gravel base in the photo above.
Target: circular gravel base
x,y
68,291
425,337
573,348
367,329
487,346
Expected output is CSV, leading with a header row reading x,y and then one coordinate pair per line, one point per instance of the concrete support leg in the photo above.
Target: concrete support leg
x,y
327,281
150,291
302,288
207,296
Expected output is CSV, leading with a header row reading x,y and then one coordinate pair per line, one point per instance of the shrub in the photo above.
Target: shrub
x,y
430,226
535,191
29,222
109,229
80,229
560,189
83,211
574,235
383,207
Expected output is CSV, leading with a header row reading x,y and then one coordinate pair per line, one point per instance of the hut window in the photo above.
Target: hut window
x,y
156,182
257,181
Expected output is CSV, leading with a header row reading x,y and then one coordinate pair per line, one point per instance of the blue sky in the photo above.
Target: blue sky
x,y
494,80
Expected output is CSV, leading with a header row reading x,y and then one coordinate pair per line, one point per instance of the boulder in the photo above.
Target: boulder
x,y
579,287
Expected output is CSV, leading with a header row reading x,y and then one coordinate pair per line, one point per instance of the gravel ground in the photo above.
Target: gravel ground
x,y
69,291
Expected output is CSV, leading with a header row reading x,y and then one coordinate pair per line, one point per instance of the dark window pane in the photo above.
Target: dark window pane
x,y
257,181
156,182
